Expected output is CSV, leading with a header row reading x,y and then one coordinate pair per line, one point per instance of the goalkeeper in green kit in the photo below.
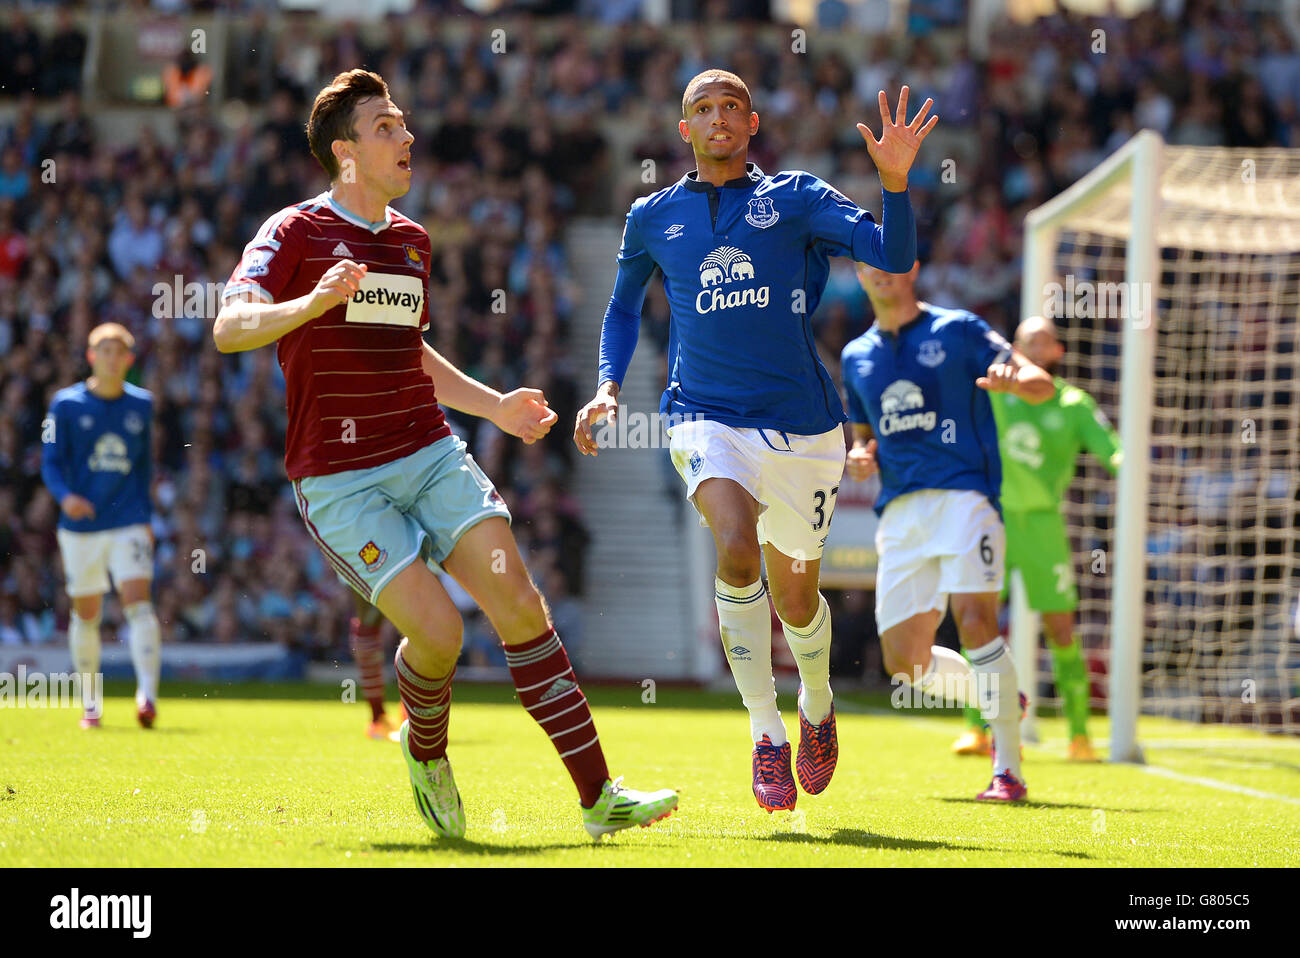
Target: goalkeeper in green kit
x,y
1039,445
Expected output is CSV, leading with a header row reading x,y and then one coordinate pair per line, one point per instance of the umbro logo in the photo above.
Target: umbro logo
x,y
675,231
558,687
342,250
739,652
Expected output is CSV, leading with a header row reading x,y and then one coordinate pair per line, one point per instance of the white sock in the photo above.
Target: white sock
x,y
811,646
999,694
83,638
745,624
949,675
146,652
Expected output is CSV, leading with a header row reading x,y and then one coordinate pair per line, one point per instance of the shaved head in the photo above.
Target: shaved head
x,y
715,76
1036,324
1036,337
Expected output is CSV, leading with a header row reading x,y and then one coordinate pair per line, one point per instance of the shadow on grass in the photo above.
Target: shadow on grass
x,y
1048,805
859,838
467,847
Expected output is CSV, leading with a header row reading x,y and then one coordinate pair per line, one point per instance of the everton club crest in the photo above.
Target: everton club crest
x,y
762,213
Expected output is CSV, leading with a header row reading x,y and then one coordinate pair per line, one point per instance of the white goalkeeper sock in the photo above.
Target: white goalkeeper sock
x,y
811,646
146,652
745,624
83,638
999,702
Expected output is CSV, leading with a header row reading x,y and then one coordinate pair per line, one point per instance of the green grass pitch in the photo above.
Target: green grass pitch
x,y
274,776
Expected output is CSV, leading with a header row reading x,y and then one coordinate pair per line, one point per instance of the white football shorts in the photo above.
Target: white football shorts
x,y
931,544
89,558
794,478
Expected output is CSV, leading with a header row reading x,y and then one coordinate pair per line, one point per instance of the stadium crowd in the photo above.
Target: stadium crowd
x,y
508,150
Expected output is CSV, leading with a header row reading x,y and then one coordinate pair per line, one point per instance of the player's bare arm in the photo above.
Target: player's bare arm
x,y
247,323
862,462
899,140
521,412
1020,377
604,405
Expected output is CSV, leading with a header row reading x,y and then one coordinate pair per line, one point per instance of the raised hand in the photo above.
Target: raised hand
x,y
1000,378
524,413
899,140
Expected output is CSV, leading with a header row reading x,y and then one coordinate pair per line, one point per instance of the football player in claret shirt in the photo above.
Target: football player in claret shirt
x,y
97,462
758,436
918,383
1040,445
338,284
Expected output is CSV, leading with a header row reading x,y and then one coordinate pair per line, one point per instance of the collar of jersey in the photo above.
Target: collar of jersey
x,y
925,311
752,176
361,221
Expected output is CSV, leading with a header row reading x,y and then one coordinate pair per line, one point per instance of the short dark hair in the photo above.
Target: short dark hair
x,y
333,113
713,76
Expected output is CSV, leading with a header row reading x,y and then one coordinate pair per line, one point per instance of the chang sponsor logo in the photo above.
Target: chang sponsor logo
x,y
902,408
725,266
110,455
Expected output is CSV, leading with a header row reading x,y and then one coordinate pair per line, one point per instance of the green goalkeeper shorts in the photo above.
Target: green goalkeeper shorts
x,y
1038,547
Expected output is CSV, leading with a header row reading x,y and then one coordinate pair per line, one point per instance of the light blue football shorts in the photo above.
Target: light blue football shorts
x,y
372,523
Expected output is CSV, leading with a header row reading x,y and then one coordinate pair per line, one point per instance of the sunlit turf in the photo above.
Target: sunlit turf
x,y
283,775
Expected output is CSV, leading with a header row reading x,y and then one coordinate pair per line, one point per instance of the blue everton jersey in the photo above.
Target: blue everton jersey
x,y
100,449
744,267
916,389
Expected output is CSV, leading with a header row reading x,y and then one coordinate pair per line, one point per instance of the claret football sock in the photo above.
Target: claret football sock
x,y
745,625
368,652
549,690
428,709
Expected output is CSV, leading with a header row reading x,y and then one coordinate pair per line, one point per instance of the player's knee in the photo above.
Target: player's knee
x,y
796,608
442,637
739,559
897,660
976,623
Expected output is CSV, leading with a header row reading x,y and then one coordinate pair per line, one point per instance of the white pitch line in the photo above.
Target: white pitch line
x,y
1215,783
1281,745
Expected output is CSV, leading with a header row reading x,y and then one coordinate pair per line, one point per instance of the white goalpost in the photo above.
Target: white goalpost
x,y
1173,274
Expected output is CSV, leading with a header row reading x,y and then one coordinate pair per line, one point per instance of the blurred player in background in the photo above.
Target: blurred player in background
x,y
366,640
1039,445
97,464
758,438
338,283
918,384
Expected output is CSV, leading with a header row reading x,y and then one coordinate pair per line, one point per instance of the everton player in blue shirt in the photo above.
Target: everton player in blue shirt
x,y
758,438
96,463
918,382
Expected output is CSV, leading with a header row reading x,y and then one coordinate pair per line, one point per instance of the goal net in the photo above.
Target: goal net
x,y
1214,629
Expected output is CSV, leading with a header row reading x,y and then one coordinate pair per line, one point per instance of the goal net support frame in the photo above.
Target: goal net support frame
x,y
1139,162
